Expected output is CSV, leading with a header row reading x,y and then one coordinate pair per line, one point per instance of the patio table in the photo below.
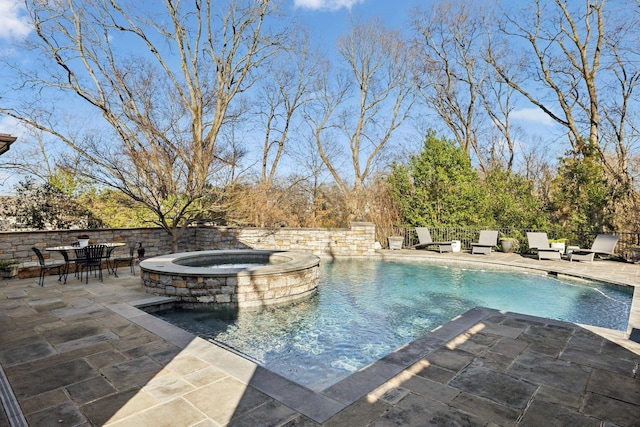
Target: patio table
x,y
64,250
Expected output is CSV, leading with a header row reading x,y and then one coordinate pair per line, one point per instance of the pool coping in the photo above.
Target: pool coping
x,y
165,264
317,405
557,268
324,404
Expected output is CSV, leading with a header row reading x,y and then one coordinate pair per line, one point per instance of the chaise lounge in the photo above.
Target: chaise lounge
x,y
424,237
603,244
539,243
488,239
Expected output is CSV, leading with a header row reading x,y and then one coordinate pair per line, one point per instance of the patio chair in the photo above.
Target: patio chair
x,y
602,245
92,261
80,256
539,243
124,259
109,261
44,267
488,239
70,261
424,237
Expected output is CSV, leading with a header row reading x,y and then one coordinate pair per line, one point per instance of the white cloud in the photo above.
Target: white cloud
x,y
324,4
533,115
11,126
13,21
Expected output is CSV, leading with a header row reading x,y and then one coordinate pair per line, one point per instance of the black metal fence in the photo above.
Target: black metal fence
x,y
628,243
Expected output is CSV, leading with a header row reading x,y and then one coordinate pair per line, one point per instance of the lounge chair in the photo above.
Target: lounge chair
x,y
539,243
603,244
424,237
488,239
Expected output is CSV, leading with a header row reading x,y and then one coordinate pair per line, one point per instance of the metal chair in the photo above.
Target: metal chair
x,y
93,256
44,267
68,261
80,256
109,261
424,236
130,260
539,242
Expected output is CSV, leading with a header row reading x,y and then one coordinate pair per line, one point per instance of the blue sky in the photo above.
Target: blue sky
x,y
326,20
13,23
331,17
325,17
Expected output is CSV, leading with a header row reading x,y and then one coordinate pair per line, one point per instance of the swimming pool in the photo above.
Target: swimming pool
x,y
365,309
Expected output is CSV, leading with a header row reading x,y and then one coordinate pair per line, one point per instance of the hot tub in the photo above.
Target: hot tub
x,y
232,279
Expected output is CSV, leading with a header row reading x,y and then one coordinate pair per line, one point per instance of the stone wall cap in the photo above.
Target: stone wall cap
x,y
281,261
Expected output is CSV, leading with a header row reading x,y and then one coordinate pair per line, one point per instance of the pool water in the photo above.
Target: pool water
x,y
366,309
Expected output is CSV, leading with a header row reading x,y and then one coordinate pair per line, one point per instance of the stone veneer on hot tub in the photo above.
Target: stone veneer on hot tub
x,y
285,277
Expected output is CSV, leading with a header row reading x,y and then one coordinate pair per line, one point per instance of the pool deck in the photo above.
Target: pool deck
x,y
82,355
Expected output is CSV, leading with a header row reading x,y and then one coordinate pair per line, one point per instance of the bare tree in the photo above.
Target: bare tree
x,y
571,53
163,82
289,82
285,87
32,159
537,168
449,41
498,99
378,74
580,67
560,59
619,132
313,172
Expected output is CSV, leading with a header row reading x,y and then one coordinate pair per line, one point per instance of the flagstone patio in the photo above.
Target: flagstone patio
x,y
79,355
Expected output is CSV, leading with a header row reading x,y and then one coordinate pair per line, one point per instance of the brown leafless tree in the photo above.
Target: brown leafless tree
x,y
287,86
378,74
576,56
619,133
580,67
162,81
561,61
449,39
499,101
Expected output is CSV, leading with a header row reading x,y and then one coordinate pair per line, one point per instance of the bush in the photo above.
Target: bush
x,y
438,187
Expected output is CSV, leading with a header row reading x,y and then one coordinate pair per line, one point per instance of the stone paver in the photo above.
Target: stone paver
x,y
503,389
79,355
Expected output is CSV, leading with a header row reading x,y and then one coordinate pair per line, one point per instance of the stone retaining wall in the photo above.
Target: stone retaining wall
x,y
357,240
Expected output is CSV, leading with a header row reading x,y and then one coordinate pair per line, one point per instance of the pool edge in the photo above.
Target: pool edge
x,y
320,406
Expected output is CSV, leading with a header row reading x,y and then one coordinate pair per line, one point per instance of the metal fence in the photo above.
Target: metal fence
x,y
628,246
